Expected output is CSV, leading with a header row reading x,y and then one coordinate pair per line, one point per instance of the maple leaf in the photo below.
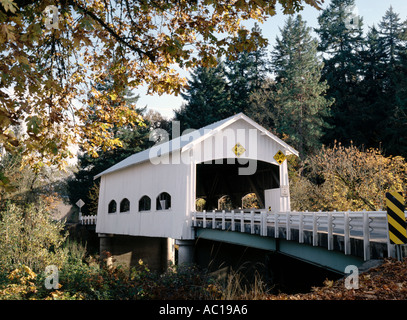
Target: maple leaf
x,y
9,5
8,32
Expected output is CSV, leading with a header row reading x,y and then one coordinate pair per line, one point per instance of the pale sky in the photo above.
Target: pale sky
x,y
371,11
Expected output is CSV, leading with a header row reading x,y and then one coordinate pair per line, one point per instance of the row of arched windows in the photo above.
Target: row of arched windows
x,y
163,202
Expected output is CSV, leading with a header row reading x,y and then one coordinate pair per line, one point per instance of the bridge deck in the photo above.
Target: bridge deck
x,y
361,233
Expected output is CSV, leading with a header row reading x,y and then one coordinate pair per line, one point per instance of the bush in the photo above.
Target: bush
x,y
346,178
29,237
185,282
30,241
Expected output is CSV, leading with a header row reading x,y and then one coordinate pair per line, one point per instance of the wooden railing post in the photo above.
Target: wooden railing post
x,y
315,229
276,225
366,236
330,231
263,223
252,222
346,232
287,227
241,221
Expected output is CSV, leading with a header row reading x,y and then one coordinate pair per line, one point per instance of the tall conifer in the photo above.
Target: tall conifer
x,y
299,98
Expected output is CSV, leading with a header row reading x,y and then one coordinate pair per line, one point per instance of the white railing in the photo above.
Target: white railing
x,y
87,220
364,225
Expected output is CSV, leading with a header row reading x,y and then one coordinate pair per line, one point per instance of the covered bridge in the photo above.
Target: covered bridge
x,y
150,197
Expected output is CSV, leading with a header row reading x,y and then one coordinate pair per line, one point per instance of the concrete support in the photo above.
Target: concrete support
x,y
170,252
105,245
185,251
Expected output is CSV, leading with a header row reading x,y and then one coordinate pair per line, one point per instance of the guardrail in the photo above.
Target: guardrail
x,y
364,225
87,220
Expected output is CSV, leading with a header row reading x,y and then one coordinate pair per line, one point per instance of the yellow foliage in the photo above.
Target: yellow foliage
x,y
48,73
346,178
21,284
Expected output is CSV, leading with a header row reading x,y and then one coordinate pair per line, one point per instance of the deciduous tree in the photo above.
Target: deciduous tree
x,y
48,63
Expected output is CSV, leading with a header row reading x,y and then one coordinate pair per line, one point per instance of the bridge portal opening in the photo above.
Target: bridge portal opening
x,y
219,186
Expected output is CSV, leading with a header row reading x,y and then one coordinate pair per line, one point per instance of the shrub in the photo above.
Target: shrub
x,y
346,178
28,236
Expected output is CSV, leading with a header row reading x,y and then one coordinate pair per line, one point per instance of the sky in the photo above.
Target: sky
x,y
371,11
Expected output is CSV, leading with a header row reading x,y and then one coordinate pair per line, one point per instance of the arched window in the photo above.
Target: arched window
x,y
250,201
112,207
144,203
225,203
200,204
163,201
125,205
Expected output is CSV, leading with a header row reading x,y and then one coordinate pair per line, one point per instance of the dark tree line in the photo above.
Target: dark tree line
x,y
343,85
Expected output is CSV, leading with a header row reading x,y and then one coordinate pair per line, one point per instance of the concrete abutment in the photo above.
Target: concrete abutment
x,y
127,251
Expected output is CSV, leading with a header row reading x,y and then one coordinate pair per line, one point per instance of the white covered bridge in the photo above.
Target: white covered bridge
x,y
148,202
153,193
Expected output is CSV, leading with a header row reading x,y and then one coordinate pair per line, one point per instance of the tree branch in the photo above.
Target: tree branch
x,y
140,52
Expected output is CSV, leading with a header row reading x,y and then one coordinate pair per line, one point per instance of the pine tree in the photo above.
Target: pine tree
x,y
207,99
246,74
299,98
371,90
392,102
391,33
341,42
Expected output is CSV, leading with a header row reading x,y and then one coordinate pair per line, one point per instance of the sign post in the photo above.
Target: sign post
x,y
396,220
80,204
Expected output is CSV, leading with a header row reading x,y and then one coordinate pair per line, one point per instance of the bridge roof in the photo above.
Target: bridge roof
x,y
184,144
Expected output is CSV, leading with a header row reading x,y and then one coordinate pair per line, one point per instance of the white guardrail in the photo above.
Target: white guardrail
x,y
87,220
365,225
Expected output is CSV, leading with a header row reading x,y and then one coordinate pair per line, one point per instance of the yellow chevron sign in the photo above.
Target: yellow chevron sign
x,y
396,218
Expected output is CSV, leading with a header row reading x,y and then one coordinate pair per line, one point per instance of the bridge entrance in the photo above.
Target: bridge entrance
x,y
219,185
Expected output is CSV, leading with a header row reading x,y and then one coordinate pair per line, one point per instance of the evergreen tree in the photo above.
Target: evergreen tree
x,y
391,35
246,74
260,107
299,98
219,92
371,90
391,126
341,44
207,99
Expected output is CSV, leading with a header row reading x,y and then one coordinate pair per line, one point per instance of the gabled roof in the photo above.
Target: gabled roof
x,y
185,144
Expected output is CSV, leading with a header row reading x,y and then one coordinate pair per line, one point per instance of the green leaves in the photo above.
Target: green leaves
x,y
33,125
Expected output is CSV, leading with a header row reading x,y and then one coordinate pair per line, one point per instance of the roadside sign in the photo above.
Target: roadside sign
x,y
396,218
279,157
80,203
